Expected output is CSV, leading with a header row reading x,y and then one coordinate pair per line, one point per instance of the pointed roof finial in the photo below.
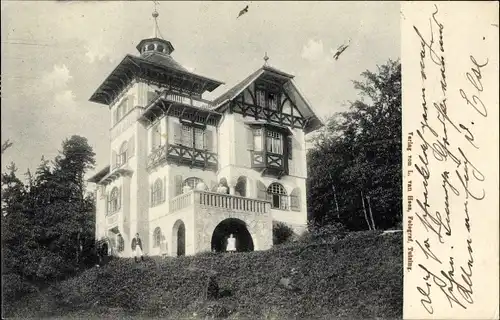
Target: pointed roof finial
x,y
265,59
155,16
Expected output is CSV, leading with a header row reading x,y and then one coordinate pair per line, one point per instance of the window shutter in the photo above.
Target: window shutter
x,y
150,96
131,147
177,132
295,199
261,190
178,185
164,188
107,203
114,159
151,199
119,198
289,146
250,145
130,102
209,135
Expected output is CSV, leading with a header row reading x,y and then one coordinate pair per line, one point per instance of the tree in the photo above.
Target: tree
x,y
358,154
6,145
45,222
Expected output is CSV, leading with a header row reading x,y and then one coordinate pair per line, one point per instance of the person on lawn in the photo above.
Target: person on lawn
x,y
137,248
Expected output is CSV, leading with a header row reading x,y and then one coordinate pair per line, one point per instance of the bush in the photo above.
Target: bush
x,y
14,287
281,232
330,232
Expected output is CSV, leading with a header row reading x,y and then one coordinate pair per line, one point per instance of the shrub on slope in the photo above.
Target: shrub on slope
x,y
359,276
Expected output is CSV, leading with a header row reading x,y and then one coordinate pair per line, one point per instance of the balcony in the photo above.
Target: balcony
x,y
205,199
185,107
186,100
271,163
183,155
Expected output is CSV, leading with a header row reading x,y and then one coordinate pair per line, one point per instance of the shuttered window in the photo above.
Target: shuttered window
x,y
187,136
157,192
150,96
289,147
295,199
199,138
131,147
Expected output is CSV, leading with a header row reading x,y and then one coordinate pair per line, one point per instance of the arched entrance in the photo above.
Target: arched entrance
x,y
179,238
235,227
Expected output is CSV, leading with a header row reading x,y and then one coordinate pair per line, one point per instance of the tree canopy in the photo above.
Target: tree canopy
x,y
354,166
47,220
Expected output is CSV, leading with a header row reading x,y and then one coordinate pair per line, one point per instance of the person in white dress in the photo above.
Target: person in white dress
x,y
201,186
231,243
186,188
221,189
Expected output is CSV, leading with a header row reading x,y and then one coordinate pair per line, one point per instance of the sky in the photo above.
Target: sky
x,y
55,54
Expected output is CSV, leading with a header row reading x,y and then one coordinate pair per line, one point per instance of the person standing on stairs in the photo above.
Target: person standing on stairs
x,y
137,248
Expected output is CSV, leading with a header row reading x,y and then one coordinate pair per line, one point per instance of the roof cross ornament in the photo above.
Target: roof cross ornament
x,y
265,59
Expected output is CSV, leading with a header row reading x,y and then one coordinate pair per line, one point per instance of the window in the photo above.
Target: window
x,y
274,142
187,136
157,192
192,137
114,200
122,156
123,108
157,237
199,138
261,98
257,139
272,102
276,193
156,136
120,243
193,182
267,99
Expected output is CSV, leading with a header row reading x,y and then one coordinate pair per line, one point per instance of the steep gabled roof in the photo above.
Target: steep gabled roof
x,y
290,88
234,91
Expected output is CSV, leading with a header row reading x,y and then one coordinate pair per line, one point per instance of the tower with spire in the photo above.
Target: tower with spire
x,y
186,172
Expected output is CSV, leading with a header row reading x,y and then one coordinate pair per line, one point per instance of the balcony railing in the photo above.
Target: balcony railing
x,y
183,155
200,103
218,200
182,201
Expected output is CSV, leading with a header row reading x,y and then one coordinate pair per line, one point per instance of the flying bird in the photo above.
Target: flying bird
x,y
242,12
341,49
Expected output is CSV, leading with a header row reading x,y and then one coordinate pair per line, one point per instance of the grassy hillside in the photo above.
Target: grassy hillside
x,y
359,276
